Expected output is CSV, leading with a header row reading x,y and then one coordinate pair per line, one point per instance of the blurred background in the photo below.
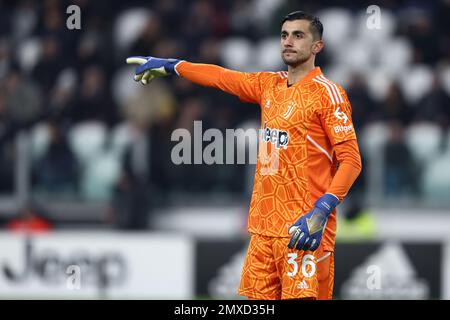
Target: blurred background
x,y
86,177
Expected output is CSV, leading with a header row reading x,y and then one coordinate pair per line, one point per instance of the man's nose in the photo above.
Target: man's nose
x,y
287,42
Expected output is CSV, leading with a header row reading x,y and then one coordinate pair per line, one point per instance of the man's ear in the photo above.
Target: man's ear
x,y
317,46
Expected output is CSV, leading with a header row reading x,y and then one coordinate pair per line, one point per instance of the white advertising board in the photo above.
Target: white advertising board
x,y
96,265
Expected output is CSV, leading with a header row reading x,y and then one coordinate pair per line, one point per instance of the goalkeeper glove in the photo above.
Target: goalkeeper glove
x,y
308,230
151,67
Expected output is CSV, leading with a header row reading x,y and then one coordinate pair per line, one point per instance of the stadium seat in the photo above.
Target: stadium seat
x,y
354,56
339,74
424,140
373,138
237,54
129,25
436,178
378,83
87,140
28,53
416,81
397,57
40,139
263,10
340,21
100,176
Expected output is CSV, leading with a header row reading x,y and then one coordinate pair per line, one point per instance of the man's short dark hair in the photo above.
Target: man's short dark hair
x,y
315,25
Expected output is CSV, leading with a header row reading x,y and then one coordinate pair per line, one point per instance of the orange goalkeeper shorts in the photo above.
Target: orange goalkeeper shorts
x,y
273,271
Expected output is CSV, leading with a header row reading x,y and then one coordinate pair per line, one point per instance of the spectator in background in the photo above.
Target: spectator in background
x,y
363,106
435,106
394,107
400,175
171,12
60,102
131,204
52,22
24,19
421,34
149,37
193,29
242,19
94,100
5,60
195,178
202,21
7,169
146,163
144,178
23,98
46,71
7,151
5,19
57,171
88,51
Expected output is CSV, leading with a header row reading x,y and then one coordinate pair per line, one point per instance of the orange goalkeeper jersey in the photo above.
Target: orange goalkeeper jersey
x,y
301,124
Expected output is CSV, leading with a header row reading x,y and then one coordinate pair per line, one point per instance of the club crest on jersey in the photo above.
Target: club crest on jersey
x,y
291,107
277,137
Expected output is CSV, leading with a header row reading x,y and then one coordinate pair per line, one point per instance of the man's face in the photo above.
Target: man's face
x,y
297,42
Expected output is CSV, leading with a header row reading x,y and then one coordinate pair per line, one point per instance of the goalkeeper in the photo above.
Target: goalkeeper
x,y
308,132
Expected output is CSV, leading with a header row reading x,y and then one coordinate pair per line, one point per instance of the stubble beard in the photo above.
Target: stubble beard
x,y
294,62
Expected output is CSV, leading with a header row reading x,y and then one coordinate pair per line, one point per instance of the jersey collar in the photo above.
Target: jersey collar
x,y
313,73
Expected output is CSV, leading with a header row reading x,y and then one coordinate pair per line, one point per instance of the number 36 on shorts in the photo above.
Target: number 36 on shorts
x,y
307,266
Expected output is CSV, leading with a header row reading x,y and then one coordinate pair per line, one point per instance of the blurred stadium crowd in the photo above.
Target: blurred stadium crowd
x,y
95,135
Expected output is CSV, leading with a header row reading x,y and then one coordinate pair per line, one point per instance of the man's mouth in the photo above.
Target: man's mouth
x,y
289,51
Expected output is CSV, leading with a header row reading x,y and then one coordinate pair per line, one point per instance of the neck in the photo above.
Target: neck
x,y
297,73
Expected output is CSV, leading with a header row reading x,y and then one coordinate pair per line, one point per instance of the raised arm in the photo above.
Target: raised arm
x,y
244,85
